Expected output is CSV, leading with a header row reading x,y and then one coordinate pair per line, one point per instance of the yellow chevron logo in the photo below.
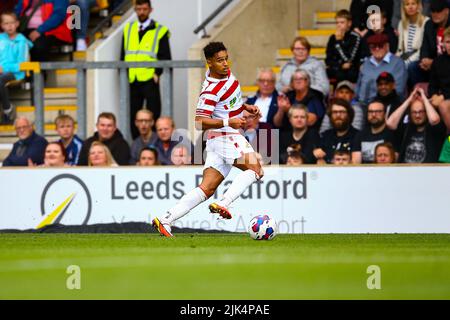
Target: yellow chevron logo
x,y
55,214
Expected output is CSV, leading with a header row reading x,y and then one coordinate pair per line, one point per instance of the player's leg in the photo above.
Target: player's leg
x,y
211,180
251,172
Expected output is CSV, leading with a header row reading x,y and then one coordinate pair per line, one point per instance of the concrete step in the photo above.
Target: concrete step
x,y
51,93
79,56
325,20
63,78
50,114
318,38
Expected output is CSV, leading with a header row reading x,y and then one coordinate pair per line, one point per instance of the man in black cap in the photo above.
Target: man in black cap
x,y
432,45
386,92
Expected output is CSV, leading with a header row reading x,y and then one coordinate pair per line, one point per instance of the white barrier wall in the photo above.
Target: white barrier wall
x,y
310,200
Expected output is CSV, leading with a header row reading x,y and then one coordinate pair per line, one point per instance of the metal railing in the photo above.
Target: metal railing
x,y
216,12
124,93
107,21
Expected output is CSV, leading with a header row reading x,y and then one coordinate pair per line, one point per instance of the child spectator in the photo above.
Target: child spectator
x,y
341,158
14,49
343,50
65,126
439,88
295,157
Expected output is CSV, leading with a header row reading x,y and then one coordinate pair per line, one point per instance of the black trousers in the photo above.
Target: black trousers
x,y
41,46
147,91
4,95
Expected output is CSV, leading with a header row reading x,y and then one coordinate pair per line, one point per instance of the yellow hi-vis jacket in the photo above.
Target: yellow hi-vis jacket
x,y
144,51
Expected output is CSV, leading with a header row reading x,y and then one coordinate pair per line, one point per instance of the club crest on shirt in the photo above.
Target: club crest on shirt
x,y
233,102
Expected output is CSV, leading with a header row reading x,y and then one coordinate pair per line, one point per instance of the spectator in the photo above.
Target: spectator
x,y
411,29
386,92
180,155
359,12
144,123
165,127
29,149
45,24
424,135
109,135
148,157
374,134
266,97
384,153
301,94
343,50
379,25
439,88
295,156
302,60
14,49
342,158
55,155
65,127
346,90
342,134
258,134
307,138
85,11
100,156
139,37
432,45
380,61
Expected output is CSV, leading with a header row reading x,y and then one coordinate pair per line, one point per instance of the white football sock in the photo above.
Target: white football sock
x,y
188,202
242,181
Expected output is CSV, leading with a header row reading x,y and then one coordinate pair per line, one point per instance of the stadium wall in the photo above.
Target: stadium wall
x,y
396,199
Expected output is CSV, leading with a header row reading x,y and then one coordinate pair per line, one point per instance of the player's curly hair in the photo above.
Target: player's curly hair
x,y
212,48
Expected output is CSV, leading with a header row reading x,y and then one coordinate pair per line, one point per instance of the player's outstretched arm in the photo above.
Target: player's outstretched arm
x,y
204,123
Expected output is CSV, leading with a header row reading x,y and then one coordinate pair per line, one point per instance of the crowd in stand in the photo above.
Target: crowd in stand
x,y
382,95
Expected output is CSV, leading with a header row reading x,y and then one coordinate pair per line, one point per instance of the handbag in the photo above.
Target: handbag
x,y
26,19
445,153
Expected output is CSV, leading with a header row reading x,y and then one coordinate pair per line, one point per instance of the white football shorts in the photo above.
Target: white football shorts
x,y
223,150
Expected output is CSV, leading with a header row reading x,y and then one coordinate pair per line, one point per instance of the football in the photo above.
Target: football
x,y
263,227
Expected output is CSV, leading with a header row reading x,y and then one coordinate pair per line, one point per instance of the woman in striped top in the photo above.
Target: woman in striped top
x,y
410,30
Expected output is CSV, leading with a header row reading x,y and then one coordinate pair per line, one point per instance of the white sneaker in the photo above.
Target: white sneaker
x,y
81,45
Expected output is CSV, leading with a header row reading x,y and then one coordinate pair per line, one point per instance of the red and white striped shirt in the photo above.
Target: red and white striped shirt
x,y
221,99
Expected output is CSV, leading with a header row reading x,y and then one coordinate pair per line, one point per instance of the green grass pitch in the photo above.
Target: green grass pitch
x,y
224,266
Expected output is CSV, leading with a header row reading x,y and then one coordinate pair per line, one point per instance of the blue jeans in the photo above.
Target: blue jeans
x,y
85,8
